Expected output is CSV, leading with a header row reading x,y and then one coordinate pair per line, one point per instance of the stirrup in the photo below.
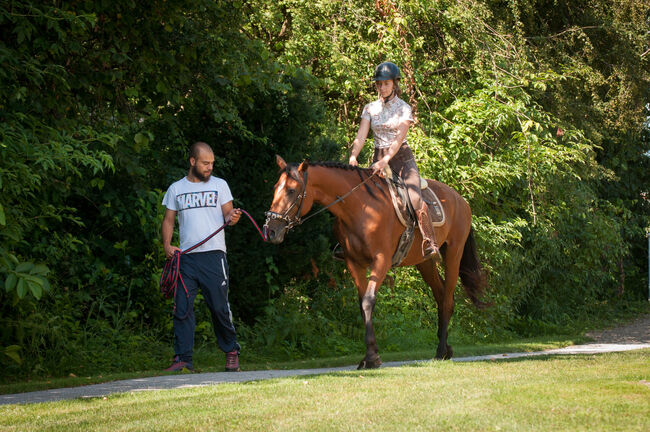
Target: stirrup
x,y
337,253
431,252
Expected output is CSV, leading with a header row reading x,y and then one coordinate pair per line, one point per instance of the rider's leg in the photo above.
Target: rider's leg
x,y
408,170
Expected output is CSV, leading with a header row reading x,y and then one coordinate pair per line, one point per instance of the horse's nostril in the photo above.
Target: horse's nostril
x,y
271,234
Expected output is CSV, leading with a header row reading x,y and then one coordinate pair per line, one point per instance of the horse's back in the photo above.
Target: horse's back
x,y
458,214
450,196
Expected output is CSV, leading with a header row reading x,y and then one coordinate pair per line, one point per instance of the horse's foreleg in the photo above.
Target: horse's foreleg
x,y
367,291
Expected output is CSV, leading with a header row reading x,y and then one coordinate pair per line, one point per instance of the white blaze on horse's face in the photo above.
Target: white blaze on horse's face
x,y
286,193
280,198
277,228
279,188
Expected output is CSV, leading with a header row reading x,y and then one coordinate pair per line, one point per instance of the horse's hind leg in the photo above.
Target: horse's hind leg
x,y
452,268
430,274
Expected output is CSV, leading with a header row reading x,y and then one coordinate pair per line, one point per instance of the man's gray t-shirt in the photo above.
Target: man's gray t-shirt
x,y
199,211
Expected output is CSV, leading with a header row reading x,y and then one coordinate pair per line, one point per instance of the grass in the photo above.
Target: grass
x,y
205,362
607,392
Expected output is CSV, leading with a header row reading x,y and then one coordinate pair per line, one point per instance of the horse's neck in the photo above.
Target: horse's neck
x,y
329,184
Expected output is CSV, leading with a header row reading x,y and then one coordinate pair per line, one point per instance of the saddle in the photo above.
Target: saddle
x,y
406,213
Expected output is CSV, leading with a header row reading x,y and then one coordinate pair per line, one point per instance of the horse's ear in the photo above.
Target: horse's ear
x,y
281,163
304,165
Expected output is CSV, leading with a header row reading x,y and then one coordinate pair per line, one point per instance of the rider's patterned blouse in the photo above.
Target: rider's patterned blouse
x,y
385,119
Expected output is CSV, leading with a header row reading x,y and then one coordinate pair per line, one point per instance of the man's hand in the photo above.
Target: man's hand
x,y
167,232
169,250
233,216
353,161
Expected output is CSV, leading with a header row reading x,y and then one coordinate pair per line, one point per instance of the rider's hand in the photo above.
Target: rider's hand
x,y
378,167
233,216
353,161
169,250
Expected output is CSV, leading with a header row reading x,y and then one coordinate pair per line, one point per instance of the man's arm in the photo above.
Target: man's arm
x,y
230,214
168,231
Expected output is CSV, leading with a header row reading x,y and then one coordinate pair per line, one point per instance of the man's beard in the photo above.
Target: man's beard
x,y
198,175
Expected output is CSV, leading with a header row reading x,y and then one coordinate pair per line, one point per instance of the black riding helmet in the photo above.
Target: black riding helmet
x,y
386,71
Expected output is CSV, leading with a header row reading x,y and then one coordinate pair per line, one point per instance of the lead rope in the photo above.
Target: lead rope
x,y
171,273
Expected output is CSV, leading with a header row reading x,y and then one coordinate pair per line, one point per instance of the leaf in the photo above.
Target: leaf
x,y
24,267
36,289
3,220
21,290
39,269
10,282
141,139
12,352
34,279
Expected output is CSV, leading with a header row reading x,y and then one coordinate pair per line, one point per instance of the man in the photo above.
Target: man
x,y
202,203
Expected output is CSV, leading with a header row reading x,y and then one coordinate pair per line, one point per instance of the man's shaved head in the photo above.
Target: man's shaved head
x,y
198,147
201,161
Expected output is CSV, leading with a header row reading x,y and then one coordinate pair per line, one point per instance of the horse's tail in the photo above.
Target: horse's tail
x,y
471,272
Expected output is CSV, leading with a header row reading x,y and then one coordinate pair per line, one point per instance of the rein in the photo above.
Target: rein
x,y
171,273
296,219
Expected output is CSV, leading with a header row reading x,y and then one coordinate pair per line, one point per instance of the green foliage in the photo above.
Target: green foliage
x,y
533,110
98,103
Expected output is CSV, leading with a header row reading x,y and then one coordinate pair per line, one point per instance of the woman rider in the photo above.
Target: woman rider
x,y
390,118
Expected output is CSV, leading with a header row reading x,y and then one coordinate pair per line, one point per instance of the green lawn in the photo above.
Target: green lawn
x,y
607,392
212,361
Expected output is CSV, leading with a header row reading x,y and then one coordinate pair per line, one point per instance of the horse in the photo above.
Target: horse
x,y
368,231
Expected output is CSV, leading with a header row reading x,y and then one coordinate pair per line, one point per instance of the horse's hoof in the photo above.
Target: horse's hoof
x,y
369,364
445,354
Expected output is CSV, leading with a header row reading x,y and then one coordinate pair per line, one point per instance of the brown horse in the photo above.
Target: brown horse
x,y
368,230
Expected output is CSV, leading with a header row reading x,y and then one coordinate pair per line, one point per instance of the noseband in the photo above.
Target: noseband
x,y
294,220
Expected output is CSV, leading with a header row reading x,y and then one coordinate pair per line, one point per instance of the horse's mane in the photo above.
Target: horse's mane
x,y
363,172
330,164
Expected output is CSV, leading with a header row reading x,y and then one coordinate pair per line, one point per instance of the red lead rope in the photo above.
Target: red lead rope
x,y
171,273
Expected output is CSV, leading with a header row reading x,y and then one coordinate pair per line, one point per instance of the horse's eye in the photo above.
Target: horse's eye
x,y
291,191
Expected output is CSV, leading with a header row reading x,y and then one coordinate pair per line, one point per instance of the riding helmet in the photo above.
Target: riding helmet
x,y
386,71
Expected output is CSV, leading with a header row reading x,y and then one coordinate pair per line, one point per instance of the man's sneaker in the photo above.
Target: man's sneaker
x,y
232,361
178,365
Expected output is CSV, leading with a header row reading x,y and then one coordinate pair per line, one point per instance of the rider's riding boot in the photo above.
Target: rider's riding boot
x,y
429,246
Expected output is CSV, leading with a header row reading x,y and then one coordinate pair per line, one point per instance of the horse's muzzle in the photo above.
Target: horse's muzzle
x,y
275,231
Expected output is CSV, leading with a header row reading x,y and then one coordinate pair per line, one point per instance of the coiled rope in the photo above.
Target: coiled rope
x,y
171,274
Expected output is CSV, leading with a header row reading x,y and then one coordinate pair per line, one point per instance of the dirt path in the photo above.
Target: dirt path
x,y
635,335
638,331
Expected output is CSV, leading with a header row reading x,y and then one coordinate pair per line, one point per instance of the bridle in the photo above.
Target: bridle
x,y
296,220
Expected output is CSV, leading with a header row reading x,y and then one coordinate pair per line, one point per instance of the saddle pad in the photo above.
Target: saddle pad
x,y
399,196
436,212
402,204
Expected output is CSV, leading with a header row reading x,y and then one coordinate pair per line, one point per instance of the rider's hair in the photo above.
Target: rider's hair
x,y
195,149
396,88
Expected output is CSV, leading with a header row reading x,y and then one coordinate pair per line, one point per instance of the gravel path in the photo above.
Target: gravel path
x,y
633,336
638,331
